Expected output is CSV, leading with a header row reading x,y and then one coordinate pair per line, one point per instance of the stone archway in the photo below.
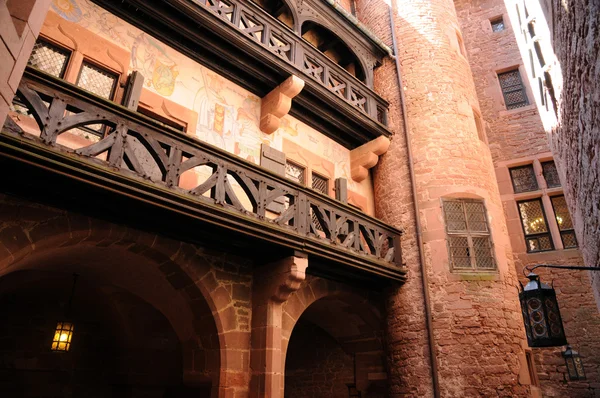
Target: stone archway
x,y
204,304
332,337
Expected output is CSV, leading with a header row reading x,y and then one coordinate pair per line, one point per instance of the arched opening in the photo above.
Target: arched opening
x,y
134,334
335,349
278,9
334,48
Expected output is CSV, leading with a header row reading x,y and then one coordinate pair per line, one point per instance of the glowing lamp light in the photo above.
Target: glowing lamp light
x,y
574,364
64,329
63,336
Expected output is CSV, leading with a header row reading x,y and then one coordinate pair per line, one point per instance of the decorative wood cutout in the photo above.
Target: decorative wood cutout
x,y
278,103
366,156
238,192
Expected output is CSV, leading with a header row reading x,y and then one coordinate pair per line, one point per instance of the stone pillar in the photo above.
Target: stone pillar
x,y
477,329
273,285
20,24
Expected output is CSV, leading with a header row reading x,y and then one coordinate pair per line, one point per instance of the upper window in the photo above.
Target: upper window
x,y
295,172
49,58
469,240
563,219
550,174
513,89
97,80
497,24
523,178
320,184
535,226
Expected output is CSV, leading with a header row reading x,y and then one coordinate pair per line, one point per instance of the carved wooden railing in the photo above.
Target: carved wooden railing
x,y
156,156
255,23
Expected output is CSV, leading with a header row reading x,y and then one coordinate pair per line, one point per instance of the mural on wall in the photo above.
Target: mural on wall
x,y
228,116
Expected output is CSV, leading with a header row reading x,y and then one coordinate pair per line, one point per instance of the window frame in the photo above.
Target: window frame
x,y
512,179
52,43
469,235
117,76
496,21
506,91
312,182
536,235
564,231
544,174
296,164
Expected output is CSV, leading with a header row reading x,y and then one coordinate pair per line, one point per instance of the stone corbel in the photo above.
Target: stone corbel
x,y
366,156
278,102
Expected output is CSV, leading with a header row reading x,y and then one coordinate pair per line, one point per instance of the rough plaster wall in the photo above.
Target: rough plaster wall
x,y
575,141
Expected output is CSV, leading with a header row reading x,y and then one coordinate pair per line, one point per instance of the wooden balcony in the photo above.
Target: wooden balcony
x,y
144,159
242,42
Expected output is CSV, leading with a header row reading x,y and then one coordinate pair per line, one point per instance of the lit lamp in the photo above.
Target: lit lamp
x,y
64,329
541,316
574,364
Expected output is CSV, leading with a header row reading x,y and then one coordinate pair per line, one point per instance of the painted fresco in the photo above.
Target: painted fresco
x,y
228,116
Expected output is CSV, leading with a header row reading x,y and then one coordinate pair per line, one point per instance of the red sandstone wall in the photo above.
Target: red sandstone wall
x,y
474,317
20,23
519,136
321,371
409,369
575,141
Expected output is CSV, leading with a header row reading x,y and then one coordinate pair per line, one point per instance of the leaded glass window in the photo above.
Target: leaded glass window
x,y
523,178
469,241
563,219
550,174
320,184
49,58
513,89
97,80
294,172
535,227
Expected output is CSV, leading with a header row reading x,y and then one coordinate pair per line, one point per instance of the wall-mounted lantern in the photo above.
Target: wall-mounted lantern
x,y
541,316
543,324
574,364
64,329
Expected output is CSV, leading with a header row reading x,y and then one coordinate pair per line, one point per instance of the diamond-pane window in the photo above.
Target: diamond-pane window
x,y
49,58
535,227
513,89
294,172
497,24
563,219
550,174
523,178
469,240
320,184
97,80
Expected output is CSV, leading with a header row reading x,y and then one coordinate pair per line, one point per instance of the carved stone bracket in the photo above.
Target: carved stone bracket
x,y
280,279
278,103
366,156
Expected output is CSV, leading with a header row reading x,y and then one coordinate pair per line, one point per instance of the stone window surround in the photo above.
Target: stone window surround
x,y
441,235
470,233
509,198
499,97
